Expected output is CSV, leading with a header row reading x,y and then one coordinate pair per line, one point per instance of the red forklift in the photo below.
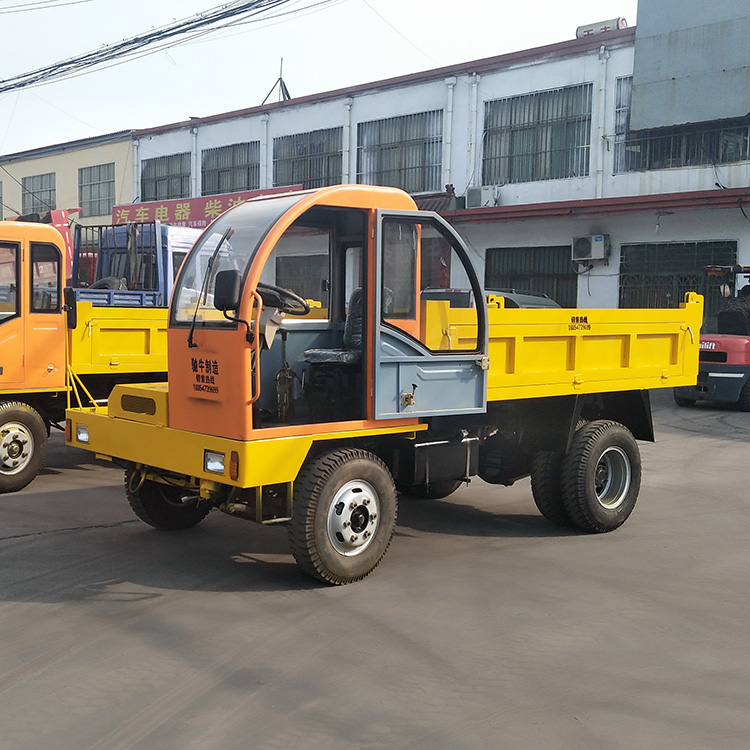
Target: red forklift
x,y
724,373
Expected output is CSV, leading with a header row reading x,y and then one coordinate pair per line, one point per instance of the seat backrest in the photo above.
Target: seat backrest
x,y
354,321
733,320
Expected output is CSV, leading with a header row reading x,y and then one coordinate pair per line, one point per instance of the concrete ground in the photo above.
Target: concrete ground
x,y
484,627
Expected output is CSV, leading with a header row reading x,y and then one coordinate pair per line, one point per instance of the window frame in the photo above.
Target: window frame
x,y
103,184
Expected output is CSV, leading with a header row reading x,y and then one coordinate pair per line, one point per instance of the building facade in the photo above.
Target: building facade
x,y
93,174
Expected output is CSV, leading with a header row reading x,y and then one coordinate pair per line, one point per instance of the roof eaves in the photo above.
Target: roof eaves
x,y
596,207
61,148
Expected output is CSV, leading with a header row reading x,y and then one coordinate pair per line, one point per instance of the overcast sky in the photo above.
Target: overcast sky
x,y
340,43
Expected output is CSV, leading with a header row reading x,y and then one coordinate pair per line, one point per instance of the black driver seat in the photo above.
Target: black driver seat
x,y
350,351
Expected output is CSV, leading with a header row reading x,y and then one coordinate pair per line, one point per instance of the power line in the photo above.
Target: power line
x,y
206,22
41,5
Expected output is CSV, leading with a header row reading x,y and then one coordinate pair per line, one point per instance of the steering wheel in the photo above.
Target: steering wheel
x,y
283,299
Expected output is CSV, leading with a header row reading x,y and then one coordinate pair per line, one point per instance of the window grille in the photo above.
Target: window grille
x,y
38,193
657,275
231,169
404,152
165,177
540,136
697,144
546,270
311,159
96,189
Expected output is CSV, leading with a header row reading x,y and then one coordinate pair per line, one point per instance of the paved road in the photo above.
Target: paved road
x,y
484,627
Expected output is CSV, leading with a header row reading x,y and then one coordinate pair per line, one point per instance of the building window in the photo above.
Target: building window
x,y
96,189
311,159
1,202
545,270
404,152
657,275
38,194
691,145
165,177
540,136
231,169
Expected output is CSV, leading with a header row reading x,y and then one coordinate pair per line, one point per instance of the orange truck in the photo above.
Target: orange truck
x,y
57,341
314,376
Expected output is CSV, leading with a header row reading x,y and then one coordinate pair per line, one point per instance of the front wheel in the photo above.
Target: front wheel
x,y
344,515
601,476
23,445
161,505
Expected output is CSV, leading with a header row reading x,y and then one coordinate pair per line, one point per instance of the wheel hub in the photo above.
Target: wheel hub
x,y
16,448
353,518
612,477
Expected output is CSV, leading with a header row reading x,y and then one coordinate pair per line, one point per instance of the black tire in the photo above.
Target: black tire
x,y
546,487
161,505
434,490
112,283
336,492
23,445
682,401
744,400
601,476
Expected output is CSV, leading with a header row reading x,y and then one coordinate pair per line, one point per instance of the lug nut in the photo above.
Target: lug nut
x,y
353,538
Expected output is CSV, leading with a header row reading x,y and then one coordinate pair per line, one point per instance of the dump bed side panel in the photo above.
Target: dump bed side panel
x,y
111,340
554,352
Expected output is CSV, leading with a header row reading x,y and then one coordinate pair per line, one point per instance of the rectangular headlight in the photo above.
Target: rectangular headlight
x,y
213,462
82,433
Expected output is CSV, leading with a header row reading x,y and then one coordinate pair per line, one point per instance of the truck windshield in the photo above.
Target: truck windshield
x,y
250,222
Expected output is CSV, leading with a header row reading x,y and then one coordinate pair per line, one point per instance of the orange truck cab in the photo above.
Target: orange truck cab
x,y
48,337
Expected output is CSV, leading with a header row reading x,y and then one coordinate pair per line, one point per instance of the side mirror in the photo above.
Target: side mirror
x,y
227,290
71,308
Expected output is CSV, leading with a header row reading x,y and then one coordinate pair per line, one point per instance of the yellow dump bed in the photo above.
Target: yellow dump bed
x,y
118,340
558,351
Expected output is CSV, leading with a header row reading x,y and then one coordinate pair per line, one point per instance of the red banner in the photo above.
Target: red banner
x,y
189,212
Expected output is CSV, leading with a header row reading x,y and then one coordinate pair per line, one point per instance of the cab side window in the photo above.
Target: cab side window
x,y
8,280
426,289
46,273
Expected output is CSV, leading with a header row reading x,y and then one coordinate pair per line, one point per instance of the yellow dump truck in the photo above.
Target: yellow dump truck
x,y
314,375
53,344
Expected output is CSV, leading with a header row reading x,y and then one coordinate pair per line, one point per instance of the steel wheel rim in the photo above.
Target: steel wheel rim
x,y
353,518
16,447
612,478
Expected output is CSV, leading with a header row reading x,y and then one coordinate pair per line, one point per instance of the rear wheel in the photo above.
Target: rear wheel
x,y
344,515
546,488
601,476
23,445
161,505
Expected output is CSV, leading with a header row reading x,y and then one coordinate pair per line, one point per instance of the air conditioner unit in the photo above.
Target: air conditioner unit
x,y
592,247
481,197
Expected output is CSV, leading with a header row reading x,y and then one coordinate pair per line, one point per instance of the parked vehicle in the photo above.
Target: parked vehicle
x,y
309,381
724,371
55,340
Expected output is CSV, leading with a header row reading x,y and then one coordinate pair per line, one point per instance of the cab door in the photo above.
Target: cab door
x,y
11,322
45,325
430,320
